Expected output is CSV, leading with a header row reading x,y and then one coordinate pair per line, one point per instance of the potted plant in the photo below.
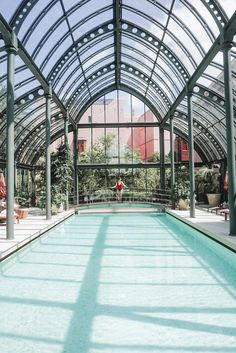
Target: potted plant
x,y
210,178
57,198
182,195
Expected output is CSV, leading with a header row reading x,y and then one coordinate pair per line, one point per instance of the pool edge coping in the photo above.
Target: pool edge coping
x,y
221,239
4,254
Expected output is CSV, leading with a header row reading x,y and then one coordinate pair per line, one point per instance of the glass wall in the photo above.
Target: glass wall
x,y
125,138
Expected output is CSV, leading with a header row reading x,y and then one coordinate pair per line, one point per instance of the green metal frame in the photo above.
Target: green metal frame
x,y
164,92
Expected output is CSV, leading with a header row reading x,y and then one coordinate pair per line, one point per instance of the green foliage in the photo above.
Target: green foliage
x,y
40,180
155,157
61,176
208,180
57,196
182,191
23,198
91,180
182,185
101,152
146,179
132,155
61,168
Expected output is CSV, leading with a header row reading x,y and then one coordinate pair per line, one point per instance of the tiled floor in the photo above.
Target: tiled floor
x,y
28,229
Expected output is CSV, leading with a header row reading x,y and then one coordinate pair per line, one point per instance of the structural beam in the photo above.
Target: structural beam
x,y
11,52
191,153
75,152
117,39
48,154
162,158
230,136
172,156
67,147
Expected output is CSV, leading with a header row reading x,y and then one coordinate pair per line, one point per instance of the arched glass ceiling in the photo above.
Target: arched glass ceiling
x,y
149,48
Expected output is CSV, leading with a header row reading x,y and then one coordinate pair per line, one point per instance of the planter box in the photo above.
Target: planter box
x,y
22,212
214,199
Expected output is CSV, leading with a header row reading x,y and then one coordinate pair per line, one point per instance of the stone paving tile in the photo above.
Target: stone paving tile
x,y
27,230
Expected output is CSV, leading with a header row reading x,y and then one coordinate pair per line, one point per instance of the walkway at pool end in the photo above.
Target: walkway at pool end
x,y
28,229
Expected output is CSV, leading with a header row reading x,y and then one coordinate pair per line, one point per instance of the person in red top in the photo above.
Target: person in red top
x,y
119,187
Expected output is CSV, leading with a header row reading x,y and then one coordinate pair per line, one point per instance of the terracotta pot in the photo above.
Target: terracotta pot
x,y
214,199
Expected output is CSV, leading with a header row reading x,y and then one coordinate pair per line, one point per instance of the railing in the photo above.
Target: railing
x,y
162,197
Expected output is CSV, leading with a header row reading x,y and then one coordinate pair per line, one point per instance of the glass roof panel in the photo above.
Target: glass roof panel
x,y
91,23
191,23
26,86
214,72
136,58
52,58
6,10
103,80
53,38
87,9
206,15
189,43
3,70
141,47
142,22
183,57
138,65
95,68
219,59
133,81
228,6
100,45
31,17
164,72
73,66
145,68
151,10
41,29
22,75
189,19
94,60
108,48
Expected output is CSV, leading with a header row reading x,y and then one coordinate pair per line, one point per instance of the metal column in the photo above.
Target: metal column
x,y
33,188
75,151
172,156
15,176
191,154
48,96
230,136
11,52
67,147
162,159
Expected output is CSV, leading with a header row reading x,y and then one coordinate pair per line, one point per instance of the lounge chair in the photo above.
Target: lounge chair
x,y
223,206
225,212
22,212
3,216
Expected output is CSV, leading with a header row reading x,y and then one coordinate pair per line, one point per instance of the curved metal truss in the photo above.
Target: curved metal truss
x,y
154,50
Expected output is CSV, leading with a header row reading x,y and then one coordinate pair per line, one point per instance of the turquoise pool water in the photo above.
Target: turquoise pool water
x,y
122,283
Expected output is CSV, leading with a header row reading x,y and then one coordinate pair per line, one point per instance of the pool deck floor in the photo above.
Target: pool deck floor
x,y
36,224
28,229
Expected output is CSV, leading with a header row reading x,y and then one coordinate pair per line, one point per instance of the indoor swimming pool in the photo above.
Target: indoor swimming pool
x,y
119,283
